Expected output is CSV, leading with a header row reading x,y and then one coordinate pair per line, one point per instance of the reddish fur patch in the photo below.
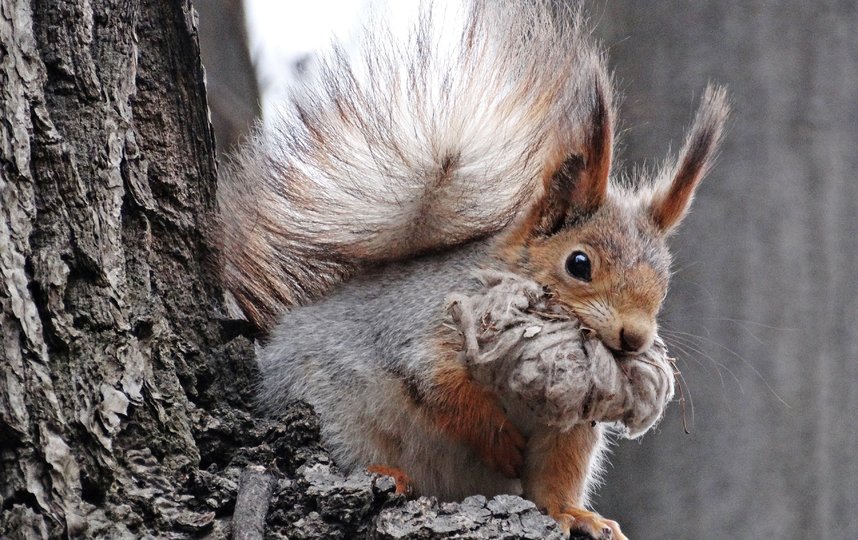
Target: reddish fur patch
x,y
470,413
403,481
556,472
557,468
643,291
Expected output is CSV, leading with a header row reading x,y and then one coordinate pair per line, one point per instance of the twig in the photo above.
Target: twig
x,y
251,506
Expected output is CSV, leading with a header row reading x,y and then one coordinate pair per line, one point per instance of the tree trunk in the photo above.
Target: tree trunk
x,y
233,92
107,179
767,270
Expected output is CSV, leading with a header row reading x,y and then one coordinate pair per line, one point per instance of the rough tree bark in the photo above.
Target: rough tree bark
x,y
125,395
107,328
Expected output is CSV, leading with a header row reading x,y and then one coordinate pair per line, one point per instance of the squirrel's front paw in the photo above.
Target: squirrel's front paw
x,y
583,524
403,482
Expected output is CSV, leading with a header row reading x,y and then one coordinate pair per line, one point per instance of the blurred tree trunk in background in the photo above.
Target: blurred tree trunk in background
x,y
767,270
231,81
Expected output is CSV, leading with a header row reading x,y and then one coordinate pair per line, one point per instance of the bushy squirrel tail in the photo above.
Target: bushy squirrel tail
x,y
419,141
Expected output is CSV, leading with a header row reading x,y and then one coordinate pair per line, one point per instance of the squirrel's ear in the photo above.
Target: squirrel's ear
x,y
579,183
597,144
674,192
554,210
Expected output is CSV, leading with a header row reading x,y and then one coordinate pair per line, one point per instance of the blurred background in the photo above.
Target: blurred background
x,y
763,311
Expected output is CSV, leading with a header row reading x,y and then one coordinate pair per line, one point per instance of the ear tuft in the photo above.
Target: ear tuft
x,y
597,144
576,179
671,201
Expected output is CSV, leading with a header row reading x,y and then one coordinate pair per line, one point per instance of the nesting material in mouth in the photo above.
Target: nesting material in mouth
x,y
537,355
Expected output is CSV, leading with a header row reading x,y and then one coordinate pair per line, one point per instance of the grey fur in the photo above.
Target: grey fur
x,y
348,355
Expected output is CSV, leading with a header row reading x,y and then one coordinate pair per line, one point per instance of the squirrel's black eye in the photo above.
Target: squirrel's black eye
x,y
578,266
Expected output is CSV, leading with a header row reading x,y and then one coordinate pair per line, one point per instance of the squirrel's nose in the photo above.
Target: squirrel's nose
x,y
632,341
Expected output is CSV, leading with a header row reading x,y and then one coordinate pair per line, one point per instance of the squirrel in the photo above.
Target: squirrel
x,y
481,139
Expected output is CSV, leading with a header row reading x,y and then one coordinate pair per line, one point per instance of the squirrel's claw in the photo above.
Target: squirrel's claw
x,y
583,524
